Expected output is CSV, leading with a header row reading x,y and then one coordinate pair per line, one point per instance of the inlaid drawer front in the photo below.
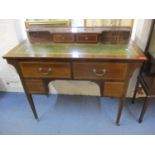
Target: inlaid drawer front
x,y
34,86
46,69
63,38
114,89
94,70
87,38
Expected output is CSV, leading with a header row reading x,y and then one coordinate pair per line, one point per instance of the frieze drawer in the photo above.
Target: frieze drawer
x,y
94,70
46,69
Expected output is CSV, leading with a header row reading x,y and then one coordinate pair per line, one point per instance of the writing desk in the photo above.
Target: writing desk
x,y
110,66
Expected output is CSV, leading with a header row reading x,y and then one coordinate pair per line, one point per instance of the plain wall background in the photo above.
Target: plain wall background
x,y
11,34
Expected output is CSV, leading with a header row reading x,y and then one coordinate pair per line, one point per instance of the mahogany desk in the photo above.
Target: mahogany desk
x,y
110,66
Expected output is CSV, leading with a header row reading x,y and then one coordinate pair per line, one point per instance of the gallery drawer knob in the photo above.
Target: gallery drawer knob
x,y
102,73
86,38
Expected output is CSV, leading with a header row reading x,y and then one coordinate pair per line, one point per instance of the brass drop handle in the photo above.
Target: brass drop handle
x,y
103,72
41,70
49,69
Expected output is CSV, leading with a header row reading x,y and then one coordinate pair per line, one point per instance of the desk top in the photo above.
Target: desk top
x,y
77,51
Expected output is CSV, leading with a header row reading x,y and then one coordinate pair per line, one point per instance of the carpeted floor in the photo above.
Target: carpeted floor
x,y
72,115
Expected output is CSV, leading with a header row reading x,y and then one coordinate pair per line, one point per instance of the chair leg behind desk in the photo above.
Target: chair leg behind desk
x,y
145,106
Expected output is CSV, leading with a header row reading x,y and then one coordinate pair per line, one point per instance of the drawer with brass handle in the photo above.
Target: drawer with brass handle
x,y
46,69
101,70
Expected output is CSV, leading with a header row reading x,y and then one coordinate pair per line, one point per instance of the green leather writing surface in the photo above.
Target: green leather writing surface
x,y
87,49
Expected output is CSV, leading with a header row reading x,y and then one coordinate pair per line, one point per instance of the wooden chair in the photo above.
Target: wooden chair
x,y
148,85
147,73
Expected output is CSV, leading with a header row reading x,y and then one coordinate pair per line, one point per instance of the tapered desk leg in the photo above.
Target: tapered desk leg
x,y
145,106
30,100
121,106
135,92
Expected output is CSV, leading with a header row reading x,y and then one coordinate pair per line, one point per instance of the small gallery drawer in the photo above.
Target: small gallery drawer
x,y
46,69
63,38
95,70
34,86
114,89
87,38
40,37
